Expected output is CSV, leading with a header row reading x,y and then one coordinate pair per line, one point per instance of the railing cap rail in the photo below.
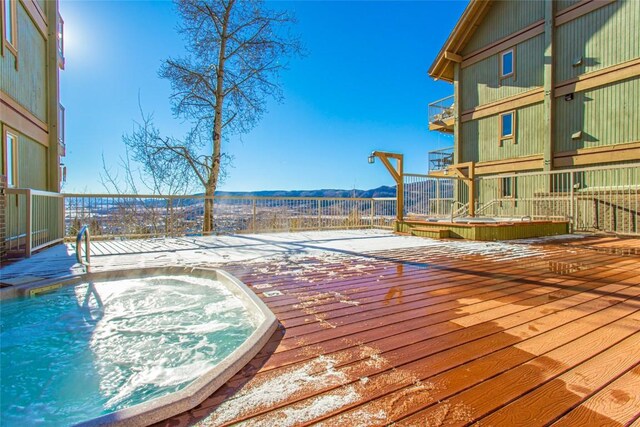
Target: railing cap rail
x,y
225,197
440,100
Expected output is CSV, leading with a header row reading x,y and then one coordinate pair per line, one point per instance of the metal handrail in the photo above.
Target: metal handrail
x,y
84,231
463,207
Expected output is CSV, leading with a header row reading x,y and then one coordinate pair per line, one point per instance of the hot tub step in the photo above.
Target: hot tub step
x,y
433,232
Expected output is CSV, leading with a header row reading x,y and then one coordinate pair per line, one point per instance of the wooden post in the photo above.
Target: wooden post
x,y
29,215
372,207
398,176
472,190
548,85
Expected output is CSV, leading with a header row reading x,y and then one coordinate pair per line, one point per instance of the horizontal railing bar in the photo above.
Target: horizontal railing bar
x,y
560,171
225,197
440,100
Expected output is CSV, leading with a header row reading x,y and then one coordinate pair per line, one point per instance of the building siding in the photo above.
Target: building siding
x,y
32,164
563,4
28,84
480,137
481,81
606,115
602,38
504,18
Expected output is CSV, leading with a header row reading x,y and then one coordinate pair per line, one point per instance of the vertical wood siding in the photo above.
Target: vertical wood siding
x,y
480,137
481,81
607,115
28,84
605,37
504,18
32,164
563,4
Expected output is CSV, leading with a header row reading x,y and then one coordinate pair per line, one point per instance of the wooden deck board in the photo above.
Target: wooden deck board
x,y
426,337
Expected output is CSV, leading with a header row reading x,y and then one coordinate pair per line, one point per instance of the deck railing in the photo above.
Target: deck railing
x,y
426,196
136,216
34,219
601,198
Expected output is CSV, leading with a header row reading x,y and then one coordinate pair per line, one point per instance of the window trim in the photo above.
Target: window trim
x,y
512,135
503,76
5,152
12,47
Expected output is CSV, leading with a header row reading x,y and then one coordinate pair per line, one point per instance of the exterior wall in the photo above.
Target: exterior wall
x,y
3,221
603,38
28,84
32,164
563,4
504,18
606,115
481,81
481,137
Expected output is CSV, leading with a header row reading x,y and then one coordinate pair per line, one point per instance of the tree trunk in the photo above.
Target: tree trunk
x,y
212,183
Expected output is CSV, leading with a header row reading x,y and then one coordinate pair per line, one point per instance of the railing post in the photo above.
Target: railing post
x,y
372,207
253,216
571,203
319,210
28,238
170,204
437,181
61,220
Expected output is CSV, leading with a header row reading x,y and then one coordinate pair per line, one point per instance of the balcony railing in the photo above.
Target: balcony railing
x,y
34,220
61,124
440,159
442,115
60,42
146,216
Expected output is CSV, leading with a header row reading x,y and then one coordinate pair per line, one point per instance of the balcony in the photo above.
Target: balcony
x,y
442,115
60,42
440,159
61,122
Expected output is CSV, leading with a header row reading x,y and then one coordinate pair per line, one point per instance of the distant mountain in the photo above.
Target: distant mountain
x,y
384,191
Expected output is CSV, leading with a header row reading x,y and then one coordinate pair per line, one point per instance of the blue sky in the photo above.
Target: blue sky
x,y
363,86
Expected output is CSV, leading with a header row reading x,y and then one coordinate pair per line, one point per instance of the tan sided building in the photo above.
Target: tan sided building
x,y
31,122
543,87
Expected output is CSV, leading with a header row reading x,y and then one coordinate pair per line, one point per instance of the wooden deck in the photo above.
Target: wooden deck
x,y
426,337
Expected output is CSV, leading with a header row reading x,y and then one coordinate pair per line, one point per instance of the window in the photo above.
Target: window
x,y
9,25
506,187
507,63
10,147
507,127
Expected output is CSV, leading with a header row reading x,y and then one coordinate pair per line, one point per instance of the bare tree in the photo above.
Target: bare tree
x,y
235,52
146,166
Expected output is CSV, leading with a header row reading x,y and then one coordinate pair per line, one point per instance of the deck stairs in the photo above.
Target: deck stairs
x,y
433,232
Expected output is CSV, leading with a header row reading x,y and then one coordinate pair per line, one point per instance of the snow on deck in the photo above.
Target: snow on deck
x,y
283,248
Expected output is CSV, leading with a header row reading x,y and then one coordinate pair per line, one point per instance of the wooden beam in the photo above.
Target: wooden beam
x,y
452,57
511,103
504,43
580,9
600,77
398,176
548,86
37,16
596,155
22,120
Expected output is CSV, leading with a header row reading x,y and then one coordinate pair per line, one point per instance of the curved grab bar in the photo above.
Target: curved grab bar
x,y
84,231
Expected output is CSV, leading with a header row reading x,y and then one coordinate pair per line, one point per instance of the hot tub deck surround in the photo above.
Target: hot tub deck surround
x,y
538,332
489,231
